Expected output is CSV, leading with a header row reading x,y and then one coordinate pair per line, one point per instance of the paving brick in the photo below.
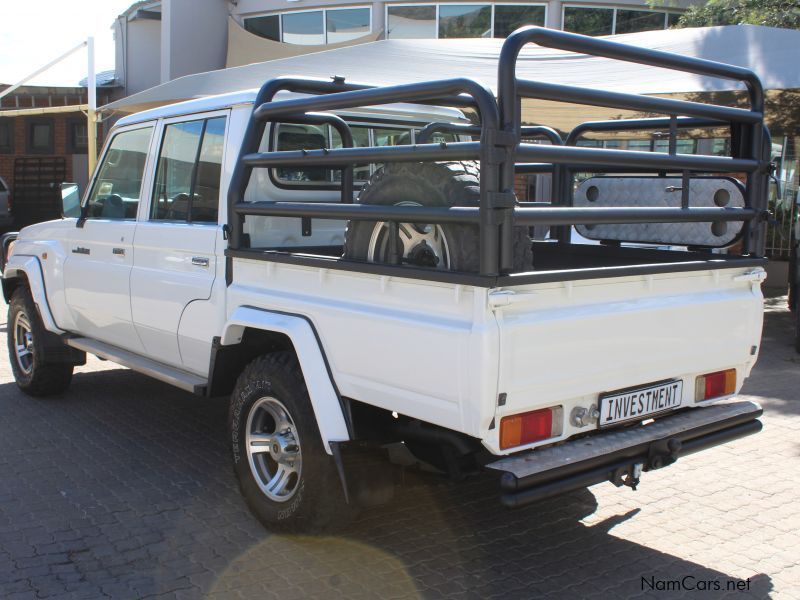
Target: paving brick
x,y
123,487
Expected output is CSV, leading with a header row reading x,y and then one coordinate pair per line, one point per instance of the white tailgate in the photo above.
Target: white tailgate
x,y
566,343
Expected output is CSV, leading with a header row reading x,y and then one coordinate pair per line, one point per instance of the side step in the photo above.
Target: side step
x,y
180,379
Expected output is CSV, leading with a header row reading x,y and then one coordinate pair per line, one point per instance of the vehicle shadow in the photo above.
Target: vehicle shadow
x,y
129,482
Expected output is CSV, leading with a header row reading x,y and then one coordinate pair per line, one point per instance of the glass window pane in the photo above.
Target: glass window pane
x,y
681,146
721,147
304,28
639,145
360,140
115,194
438,137
672,19
415,22
347,24
266,27
391,137
205,200
631,21
464,21
588,21
79,137
6,135
40,135
175,169
508,19
302,137
385,136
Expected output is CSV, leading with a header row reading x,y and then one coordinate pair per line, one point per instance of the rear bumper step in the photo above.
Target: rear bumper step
x,y
620,455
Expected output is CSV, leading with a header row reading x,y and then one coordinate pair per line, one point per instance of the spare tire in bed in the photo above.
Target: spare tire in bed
x,y
446,247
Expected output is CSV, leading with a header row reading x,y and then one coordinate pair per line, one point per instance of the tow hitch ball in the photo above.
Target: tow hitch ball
x,y
660,454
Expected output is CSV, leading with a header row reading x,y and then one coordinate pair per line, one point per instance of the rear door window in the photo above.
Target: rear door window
x,y
187,178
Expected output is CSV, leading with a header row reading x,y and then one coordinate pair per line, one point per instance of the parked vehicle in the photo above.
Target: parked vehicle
x,y
6,218
219,249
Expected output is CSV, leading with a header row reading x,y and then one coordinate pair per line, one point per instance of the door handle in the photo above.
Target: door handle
x,y
80,250
118,251
200,261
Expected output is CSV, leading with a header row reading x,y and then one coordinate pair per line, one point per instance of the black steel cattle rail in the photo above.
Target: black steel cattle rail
x,y
501,151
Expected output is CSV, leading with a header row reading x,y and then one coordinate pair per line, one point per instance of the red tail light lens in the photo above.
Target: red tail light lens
x,y
529,427
715,385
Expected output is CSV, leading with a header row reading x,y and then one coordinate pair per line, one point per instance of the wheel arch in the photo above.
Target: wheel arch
x,y
26,270
252,332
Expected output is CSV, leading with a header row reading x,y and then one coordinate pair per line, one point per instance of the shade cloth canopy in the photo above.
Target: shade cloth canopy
x,y
772,53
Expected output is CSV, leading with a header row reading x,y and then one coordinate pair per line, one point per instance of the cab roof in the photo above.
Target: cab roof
x,y
401,111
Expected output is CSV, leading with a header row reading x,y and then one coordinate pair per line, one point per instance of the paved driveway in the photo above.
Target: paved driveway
x,y
123,488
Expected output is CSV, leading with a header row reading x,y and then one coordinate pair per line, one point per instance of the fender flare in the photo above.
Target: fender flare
x,y
329,408
32,269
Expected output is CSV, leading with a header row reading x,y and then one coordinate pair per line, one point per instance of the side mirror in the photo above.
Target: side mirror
x,y
70,200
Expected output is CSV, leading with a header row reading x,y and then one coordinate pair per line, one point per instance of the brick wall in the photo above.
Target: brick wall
x,y
61,144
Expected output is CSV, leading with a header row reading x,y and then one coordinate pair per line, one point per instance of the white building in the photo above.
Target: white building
x,y
160,40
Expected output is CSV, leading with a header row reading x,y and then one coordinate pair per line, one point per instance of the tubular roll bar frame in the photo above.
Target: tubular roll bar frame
x,y
501,152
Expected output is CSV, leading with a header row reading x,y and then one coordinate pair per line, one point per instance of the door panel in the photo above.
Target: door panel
x,y
175,264
96,277
99,258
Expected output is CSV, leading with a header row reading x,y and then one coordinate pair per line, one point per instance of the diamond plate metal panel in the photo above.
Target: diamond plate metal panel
x,y
662,192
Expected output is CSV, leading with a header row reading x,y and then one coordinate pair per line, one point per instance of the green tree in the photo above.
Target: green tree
x,y
770,13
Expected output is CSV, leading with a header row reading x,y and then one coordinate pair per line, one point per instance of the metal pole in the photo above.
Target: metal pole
x,y
91,114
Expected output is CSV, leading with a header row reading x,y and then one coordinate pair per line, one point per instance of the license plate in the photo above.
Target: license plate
x,y
640,403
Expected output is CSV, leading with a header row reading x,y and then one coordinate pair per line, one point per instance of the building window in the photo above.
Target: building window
x,y
629,21
313,27
347,24
305,28
77,136
465,21
411,22
40,135
589,21
267,27
460,20
508,18
6,136
607,21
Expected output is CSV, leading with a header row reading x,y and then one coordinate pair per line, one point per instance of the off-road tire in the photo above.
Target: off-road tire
x,y
318,502
432,184
46,376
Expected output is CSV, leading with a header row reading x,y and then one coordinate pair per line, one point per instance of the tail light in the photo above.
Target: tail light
x,y
714,385
529,427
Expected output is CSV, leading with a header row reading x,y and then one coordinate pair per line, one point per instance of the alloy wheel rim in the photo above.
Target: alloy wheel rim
x,y
423,245
273,449
23,342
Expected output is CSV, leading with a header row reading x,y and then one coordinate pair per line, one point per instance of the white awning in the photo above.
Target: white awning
x,y
772,53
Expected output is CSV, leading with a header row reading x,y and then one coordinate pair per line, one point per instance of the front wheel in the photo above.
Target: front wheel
x,y
287,479
34,370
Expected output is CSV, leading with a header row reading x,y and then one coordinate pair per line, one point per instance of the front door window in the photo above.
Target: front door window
x,y
117,187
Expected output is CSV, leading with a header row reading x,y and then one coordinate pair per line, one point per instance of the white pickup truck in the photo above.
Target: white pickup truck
x,y
219,249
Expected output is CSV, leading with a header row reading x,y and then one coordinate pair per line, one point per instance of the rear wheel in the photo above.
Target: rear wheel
x,y
287,478
35,372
